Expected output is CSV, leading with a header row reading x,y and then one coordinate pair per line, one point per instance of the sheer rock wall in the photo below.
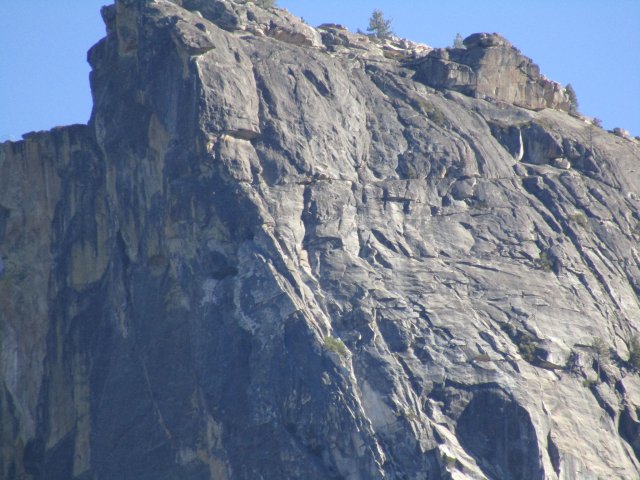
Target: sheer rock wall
x,y
269,257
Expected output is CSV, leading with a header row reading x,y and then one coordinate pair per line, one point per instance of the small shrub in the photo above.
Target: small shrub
x,y
431,111
336,345
597,122
634,352
526,343
621,132
449,461
436,116
580,219
600,348
572,363
410,171
601,351
406,413
527,349
589,383
544,262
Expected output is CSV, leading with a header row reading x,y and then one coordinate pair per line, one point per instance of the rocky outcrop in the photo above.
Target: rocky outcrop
x,y
240,16
266,258
489,67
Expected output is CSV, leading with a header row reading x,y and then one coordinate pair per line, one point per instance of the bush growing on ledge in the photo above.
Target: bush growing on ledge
x,y
436,117
601,351
406,413
432,112
621,132
336,345
634,353
572,364
526,343
544,262
580,219
527,347
448,461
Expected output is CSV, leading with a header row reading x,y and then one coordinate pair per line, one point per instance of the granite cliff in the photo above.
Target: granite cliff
x,y
281,252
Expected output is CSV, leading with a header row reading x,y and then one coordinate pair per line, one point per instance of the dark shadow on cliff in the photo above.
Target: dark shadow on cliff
x,y
499,434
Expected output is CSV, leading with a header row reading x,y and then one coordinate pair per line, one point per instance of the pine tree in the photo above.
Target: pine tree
x,y
573,99
379,26
457,42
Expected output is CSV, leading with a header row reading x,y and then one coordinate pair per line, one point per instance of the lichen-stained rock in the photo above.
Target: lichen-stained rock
x,y
489,67
266,257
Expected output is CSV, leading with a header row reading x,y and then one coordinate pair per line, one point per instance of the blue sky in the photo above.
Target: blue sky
x,y
592,44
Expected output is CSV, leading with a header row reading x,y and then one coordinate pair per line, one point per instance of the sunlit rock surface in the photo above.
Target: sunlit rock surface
x,y
276,253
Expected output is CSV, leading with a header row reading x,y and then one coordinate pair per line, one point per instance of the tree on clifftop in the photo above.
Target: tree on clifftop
x,y
573,99
379,26
458,41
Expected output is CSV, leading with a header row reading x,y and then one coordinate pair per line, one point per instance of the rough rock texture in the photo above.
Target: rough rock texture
x,y
489,67
268,258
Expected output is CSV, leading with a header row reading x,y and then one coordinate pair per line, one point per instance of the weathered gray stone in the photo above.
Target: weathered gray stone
x,y
561,162
248,17
491,68
273,259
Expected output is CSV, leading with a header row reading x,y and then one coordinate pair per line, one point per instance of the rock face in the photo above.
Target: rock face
x,y
489,67
274,254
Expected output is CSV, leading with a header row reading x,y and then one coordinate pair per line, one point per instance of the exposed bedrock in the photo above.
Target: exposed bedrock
x,y
279,252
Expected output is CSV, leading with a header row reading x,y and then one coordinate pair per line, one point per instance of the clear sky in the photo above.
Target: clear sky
x,y
592,44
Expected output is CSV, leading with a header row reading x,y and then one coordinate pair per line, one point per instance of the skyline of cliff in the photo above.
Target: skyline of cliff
x,y
44,87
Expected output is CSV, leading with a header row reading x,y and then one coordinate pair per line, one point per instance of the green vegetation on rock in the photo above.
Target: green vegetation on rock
x,y
336,345
379,26
573,98
580,219
544,262
458,41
